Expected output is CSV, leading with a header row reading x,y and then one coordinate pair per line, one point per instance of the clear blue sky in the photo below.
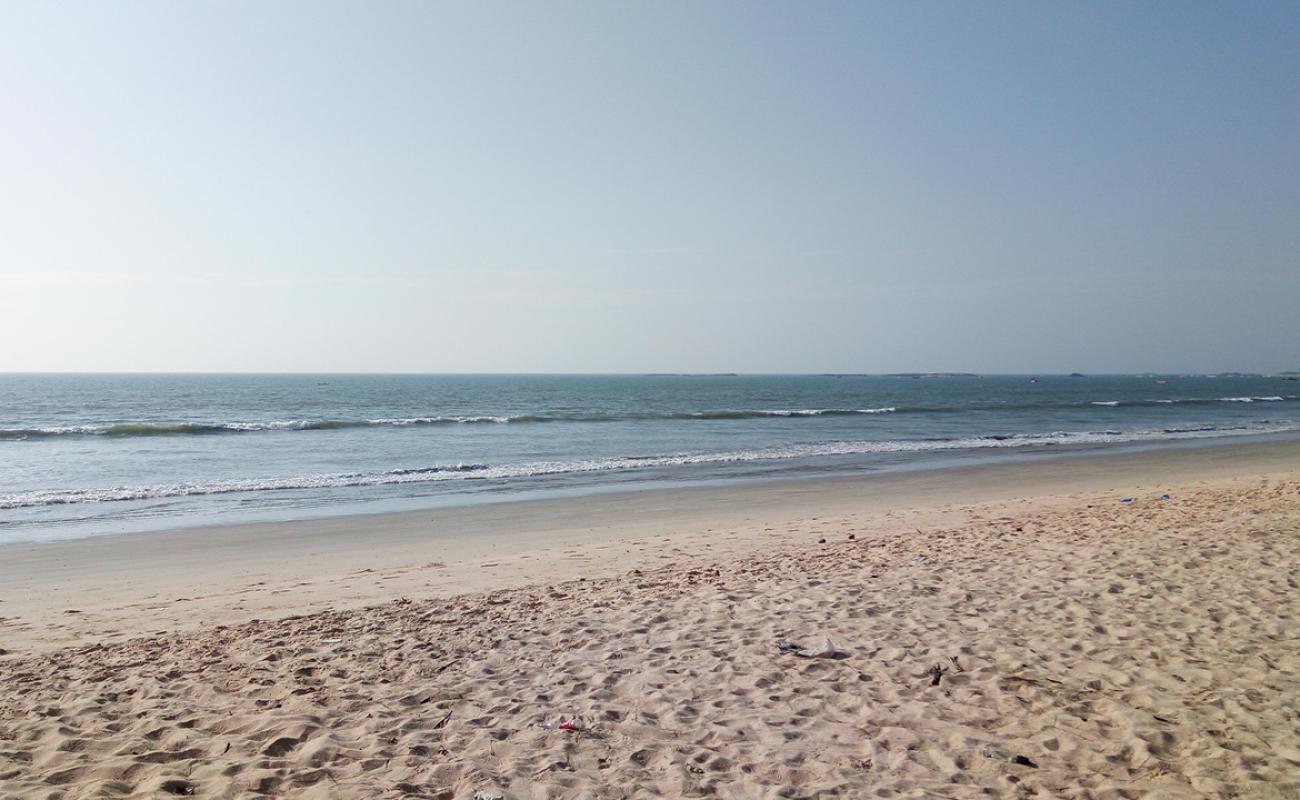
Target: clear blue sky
x,y
702,186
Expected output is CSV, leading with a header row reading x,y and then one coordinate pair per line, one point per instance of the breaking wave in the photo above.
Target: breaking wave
x,y
126,429
460,472
807,412
154,428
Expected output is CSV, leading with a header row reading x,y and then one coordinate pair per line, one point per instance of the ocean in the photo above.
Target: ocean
x,y
89,455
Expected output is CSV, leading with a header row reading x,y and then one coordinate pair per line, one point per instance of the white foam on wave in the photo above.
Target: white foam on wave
x,y
153,428
132,429
403,422
456,472
117,493
783,412
169,428
821,412
273,425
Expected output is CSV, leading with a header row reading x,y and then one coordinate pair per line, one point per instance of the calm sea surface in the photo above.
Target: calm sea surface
x,y
84,455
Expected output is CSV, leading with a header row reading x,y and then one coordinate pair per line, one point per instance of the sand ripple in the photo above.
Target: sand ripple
x,y
1107,650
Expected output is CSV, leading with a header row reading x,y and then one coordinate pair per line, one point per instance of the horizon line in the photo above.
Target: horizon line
x,y
665,373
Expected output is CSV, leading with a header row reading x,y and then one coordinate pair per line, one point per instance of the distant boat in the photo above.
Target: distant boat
x,y
1162,380
1033,380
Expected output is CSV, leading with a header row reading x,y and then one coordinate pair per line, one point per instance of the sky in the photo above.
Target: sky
x,y
650,186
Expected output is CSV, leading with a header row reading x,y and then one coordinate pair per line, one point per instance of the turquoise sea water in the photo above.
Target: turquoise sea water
x,y
84,455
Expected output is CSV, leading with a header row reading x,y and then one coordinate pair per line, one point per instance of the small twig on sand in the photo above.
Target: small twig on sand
x,y
554,765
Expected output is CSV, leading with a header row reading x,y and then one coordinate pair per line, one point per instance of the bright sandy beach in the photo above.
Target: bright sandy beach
x,y
1111,626
587,401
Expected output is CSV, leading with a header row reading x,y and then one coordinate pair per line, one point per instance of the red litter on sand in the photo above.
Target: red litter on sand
x,y
563,725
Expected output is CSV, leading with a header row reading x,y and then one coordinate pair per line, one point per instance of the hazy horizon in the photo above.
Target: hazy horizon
x,y
562,188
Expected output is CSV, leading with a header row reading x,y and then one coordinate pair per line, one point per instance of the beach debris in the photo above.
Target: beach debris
x,y
956,664
1126,499
483,794
920,558
936,673
826,649
1164,497
571,724
1001,754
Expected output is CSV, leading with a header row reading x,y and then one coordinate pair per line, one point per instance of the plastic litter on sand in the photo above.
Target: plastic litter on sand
x,y
573,724
824,650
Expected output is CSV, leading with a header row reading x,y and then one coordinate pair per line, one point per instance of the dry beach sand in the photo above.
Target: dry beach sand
x,y
1003,632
